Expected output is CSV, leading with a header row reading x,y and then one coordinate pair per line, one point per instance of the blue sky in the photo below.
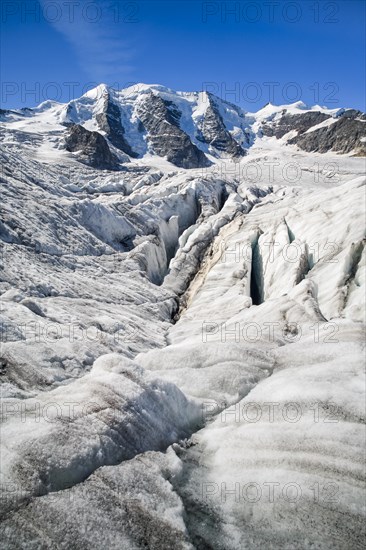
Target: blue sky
x,y
248,52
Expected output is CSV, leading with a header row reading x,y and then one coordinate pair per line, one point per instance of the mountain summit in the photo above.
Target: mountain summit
x,y
182,324
106,127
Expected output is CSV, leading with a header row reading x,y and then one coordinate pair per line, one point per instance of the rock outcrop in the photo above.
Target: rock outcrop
x,y
92,148
288,122
164,135
346,135
215,134
109,121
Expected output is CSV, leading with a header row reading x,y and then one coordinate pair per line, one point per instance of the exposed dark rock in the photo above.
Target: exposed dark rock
x,y
214,132
165,136
287,122
109,121
5,112
173,114
69,120
354,113
344,136
93,148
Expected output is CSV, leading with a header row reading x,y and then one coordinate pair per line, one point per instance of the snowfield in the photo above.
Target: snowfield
x,y
182,350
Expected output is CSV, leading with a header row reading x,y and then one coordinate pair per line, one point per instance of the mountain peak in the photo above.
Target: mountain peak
x,y
190,129
97,92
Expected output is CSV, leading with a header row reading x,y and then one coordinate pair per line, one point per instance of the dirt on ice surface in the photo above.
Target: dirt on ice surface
x,y
182,353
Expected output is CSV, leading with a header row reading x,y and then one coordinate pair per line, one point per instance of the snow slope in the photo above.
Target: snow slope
x,y
211,126
181,350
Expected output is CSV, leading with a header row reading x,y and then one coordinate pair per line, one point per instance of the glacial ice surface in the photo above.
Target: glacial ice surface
x,y
182,355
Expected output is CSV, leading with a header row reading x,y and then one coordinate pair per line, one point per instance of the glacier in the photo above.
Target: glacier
x,y
182,324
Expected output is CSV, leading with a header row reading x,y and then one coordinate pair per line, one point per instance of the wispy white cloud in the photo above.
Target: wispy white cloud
x,y
103,35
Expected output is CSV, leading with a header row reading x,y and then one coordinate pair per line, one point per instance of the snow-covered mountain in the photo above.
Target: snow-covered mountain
x,y
107,127
182,324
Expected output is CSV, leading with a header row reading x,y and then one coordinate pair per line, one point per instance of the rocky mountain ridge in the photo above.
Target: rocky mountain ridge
x,y
173,339
189,130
